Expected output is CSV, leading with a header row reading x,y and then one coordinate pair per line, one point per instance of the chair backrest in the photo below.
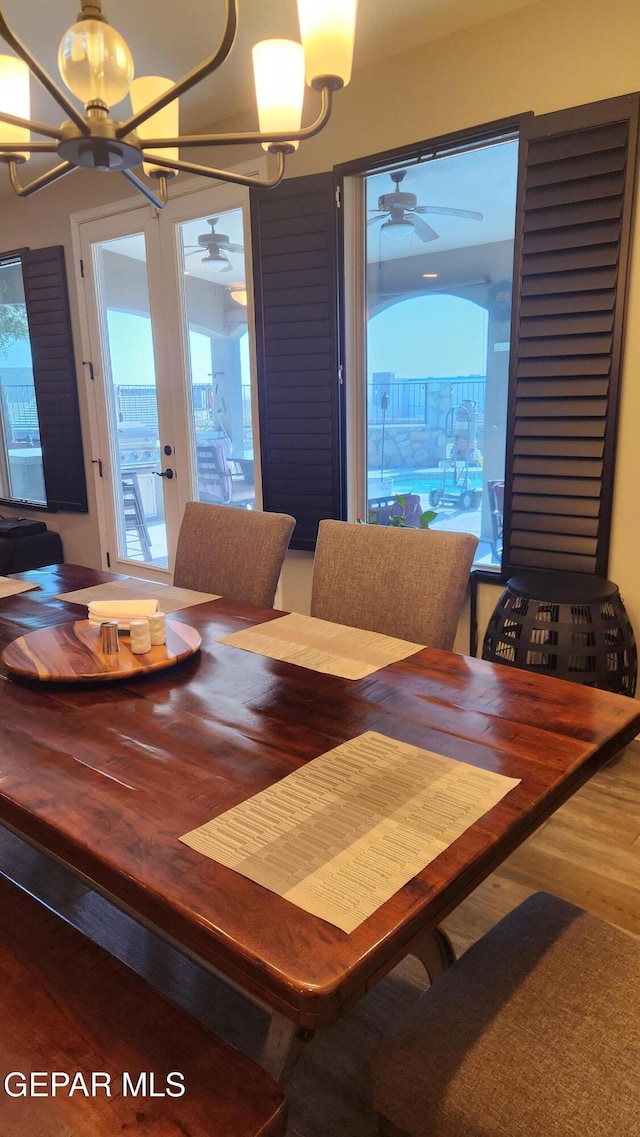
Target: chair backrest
x,y
233,552
408,583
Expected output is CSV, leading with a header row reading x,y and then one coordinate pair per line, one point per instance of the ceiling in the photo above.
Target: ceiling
x,y
481,180
169,39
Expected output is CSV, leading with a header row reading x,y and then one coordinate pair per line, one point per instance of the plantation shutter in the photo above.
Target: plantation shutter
x,y
54,375
295,280
575,204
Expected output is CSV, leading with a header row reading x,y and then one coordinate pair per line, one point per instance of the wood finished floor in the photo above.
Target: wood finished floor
x,y
588,853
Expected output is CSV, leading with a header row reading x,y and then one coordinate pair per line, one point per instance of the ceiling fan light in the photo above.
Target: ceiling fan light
x,y
398,229
216,260
327,31
278,69
164,123
95,63
238,292
14,99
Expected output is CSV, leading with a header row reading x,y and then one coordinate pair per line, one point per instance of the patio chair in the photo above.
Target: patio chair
x,y
495,491
407,583
236,553
382,511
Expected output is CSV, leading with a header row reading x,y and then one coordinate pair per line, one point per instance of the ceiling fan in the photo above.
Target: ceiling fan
x,y
403,213
215,245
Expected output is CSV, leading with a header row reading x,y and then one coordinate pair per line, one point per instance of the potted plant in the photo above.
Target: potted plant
x,y
404,512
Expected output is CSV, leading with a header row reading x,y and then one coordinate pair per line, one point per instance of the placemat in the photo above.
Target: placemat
x,y
340,835
9,587
170,598
320,645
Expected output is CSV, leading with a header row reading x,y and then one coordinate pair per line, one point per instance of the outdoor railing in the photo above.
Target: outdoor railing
x,y
414,401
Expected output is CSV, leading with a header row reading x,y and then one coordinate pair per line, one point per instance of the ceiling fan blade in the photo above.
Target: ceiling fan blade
x,y
422,230
229,248
378,217
445,211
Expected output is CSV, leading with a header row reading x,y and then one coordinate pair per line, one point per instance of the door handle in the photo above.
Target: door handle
x,y
168,474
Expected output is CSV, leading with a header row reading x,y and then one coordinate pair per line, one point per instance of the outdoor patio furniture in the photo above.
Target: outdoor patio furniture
x,y
134,519
495,490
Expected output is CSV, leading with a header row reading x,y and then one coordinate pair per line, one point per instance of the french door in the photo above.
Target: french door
x,y
166,307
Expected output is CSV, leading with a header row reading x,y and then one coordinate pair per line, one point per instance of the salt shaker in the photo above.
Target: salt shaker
x,y
140,637
158,628
109,643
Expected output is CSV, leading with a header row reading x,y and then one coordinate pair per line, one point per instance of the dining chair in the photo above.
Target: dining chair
x,y
407,583
533,1031
236,553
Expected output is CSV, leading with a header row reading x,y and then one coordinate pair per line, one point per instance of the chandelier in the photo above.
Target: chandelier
x,y
96,66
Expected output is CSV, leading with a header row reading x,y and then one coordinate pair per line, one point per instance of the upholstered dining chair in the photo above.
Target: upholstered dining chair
x,y
533,1033
232,552
407,583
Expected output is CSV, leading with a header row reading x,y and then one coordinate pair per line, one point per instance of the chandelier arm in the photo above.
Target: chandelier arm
x,y
31,124
42,76
27,148
254,136
210,64
160,201
222,175
38,183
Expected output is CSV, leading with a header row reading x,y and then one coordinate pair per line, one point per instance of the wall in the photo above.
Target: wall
x,y
553,54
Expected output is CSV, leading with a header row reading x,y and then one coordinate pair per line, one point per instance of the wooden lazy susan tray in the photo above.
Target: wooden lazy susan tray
x,y
71,653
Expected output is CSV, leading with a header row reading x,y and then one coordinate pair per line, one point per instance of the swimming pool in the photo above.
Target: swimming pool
x,y
427,482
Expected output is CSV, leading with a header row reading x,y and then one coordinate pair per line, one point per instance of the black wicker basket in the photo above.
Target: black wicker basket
x,y
565,624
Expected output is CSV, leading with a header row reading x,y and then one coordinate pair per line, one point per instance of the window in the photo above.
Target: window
x,y
438,261
41,461
218,365
21,470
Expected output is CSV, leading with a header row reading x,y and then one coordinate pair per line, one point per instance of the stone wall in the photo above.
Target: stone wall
x,y
418,446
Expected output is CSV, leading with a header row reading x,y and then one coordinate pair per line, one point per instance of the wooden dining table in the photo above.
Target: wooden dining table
x,y
105,777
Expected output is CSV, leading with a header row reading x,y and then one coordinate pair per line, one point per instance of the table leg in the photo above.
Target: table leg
x,y
283,1046
435,952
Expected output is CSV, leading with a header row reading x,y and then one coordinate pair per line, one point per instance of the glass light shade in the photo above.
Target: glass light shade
x,y
163,124
278,69
95,63
14,99
216,261
327,31
398,229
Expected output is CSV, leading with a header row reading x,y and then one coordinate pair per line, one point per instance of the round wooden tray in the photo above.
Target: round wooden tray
x,y
71,653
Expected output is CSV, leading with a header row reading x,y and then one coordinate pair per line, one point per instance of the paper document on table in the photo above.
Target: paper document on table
x,y
170,598
340,835
334,649
9,587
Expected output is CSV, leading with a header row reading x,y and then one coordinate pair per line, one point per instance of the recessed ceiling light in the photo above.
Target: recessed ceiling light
x,y
429,276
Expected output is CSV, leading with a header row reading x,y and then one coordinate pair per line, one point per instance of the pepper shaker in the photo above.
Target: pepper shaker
x,y
109,642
